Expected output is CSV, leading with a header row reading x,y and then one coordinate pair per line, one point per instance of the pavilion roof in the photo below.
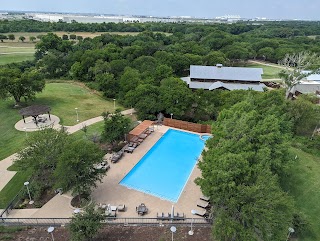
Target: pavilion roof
x,y
34,110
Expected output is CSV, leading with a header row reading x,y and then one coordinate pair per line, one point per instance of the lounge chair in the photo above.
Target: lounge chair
x,y
121,208
116,157
203,204
204,198
202,213
110,213
129,149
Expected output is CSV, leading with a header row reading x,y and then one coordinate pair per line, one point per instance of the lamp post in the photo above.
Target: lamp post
x,y
171,115
77,114
114,104
125,135
173,229
191,230
76,211
26,184
290,231
50,230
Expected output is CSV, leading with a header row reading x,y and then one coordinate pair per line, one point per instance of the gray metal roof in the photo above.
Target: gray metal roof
x,y
314,77
226,73
306,88
219,84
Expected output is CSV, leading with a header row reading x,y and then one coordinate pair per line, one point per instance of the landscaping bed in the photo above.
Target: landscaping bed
x,y
113,233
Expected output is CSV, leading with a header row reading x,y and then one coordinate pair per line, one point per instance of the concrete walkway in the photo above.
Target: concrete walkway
x,y
5,175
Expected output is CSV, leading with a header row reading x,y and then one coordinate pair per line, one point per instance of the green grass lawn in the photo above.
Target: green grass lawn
x,y
269,72
11,52
14,58
304,186
62,98
91,130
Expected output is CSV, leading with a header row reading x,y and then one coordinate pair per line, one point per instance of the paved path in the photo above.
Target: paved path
x,y
5,175
266,64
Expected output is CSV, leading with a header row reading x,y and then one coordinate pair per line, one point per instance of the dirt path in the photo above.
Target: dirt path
x,y
266,64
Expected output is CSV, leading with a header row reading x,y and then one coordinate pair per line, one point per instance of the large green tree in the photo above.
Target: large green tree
x,y
19,84
75,169
241,173
115,126
41,155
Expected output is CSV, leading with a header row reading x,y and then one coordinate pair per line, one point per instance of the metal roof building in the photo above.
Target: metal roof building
x,y
220,77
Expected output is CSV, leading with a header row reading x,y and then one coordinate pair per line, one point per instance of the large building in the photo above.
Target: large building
x,y
228,78
308,85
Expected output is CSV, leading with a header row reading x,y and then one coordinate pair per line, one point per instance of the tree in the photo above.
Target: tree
x,y
17,84
295,69
11,37
32,38
175,97
79,38
22,38
73,36
85,225
48,42
145,99
65,37
242,169
75,169
41,155
3,37
115,126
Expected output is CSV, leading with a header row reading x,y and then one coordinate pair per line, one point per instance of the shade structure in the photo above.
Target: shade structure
x,y
35,111
142,127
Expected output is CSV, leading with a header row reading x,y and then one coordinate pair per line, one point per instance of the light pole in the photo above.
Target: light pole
x,y
125,135
171,115
191,230
76,211
173,229
290,231
26,184
114,104
50,230
77,114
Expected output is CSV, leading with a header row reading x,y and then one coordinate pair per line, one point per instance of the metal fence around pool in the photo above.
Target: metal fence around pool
x,y
200,222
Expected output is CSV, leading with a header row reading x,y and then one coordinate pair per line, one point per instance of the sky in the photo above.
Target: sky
x,y
272,9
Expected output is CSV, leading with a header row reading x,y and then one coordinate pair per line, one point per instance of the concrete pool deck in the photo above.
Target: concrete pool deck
x,y
111,192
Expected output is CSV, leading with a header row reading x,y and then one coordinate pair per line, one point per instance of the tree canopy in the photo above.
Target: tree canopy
x,y
18,84
242,169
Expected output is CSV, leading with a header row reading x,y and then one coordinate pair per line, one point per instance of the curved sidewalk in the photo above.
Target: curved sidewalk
x,y
5,175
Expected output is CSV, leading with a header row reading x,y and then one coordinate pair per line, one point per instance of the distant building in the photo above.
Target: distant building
x,y
227,78
308,85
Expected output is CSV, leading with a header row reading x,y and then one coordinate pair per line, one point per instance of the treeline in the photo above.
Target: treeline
x,y
142,71
247,161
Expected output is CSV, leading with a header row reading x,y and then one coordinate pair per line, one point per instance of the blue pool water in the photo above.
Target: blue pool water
x,y
166,167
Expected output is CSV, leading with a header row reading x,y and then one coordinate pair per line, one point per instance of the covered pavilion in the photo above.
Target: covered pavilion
x,y
140,129
35,111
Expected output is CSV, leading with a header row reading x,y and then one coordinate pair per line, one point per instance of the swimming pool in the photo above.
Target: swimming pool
x,y
165,168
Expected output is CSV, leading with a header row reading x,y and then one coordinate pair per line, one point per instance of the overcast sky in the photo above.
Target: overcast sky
x,y
275,9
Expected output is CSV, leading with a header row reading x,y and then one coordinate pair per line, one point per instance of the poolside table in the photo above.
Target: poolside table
x,y
142,209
